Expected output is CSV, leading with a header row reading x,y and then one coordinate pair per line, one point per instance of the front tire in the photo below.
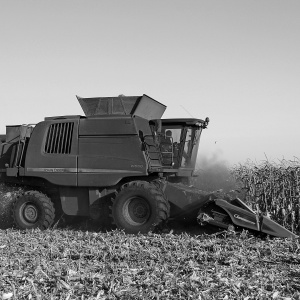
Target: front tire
x,y
139,207
33,210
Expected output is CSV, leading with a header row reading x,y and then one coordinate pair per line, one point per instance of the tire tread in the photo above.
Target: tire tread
x,y
46,203
162,204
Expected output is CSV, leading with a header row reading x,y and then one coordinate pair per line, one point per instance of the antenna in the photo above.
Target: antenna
x,y
187,111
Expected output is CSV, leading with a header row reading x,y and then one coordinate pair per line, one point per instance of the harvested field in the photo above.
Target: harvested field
x,y
80,262
66,264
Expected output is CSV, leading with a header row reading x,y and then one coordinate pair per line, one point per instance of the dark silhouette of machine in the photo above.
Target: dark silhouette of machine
x,y
121,163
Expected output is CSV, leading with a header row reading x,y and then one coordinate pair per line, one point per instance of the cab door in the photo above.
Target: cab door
x,y
172,143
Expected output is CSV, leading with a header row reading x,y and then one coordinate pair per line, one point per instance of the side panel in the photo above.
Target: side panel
x,y
75,201
52,152
109,150
111,125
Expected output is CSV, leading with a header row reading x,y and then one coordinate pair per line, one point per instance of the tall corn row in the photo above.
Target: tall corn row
x,y
272,189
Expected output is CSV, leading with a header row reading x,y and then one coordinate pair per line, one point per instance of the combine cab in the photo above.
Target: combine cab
x,y
121,163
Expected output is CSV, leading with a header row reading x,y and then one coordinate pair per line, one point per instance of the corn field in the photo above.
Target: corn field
x,y
272,189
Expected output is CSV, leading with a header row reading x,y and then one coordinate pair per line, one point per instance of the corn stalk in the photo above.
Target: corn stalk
x,y
272,189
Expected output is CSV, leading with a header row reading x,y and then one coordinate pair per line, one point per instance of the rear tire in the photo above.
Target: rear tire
x,y
33,210
139,207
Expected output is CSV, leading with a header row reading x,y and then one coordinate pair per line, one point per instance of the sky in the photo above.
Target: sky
x,y
235,61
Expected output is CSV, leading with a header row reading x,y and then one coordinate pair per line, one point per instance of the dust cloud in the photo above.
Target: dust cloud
x,y
213,174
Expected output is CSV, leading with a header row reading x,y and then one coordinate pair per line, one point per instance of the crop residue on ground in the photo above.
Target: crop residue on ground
x,y
65,264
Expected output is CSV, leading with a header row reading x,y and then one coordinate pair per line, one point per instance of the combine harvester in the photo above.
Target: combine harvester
x,y
120,163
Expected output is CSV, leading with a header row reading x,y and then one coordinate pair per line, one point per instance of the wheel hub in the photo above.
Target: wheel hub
x,y
140,211
30,213
136,211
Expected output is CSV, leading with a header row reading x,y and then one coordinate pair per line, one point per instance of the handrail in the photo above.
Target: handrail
x,y
161,152
22,139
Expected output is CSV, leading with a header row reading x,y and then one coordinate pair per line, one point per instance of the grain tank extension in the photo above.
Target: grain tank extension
x,y
121,163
